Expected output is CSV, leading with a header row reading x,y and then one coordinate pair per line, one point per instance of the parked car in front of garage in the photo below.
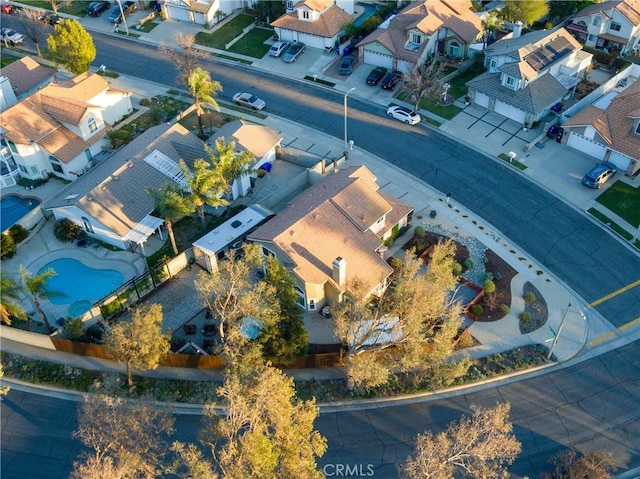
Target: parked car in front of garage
x,y
346,65
376,75
293,52
599,175
390,80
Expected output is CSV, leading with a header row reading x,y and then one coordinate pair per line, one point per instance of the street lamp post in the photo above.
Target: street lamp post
x,y
557,335
345,117
124,20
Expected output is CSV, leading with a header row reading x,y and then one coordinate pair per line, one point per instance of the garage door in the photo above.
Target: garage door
x,y
404,66
177,13
481,100
621,161
510,112
586,145
312,41
378,59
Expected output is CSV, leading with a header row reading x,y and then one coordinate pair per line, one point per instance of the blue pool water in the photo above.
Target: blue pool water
x,y
81,285
13,207
369,10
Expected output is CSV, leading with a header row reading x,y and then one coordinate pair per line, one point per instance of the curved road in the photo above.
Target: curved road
x,y
592,404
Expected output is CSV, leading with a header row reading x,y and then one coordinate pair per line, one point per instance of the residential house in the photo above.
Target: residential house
x,y
110,202
58,130
24,77
316,23
332,233
201,12
609,129
613,26
421,30
260,140
529,74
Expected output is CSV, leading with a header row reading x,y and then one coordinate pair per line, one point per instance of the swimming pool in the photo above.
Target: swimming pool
x,y
13,207
370,9
82,286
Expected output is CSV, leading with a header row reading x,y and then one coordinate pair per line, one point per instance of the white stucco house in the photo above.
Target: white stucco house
x,y
613,26
609,129
202,12
528,74
421,30
59,129
260,140
316,23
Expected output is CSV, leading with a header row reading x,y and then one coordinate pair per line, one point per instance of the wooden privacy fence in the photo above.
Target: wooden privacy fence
x,y
177,360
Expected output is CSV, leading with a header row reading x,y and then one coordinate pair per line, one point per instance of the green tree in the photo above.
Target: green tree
x,y
231,294
203,90
72,46
126,439
9,299
477,446
206,186
140,343
36,286
425,81
191,459
491,24
8,248
267,11
171,204
561,9
286,338
67,230
526,11
231,164
391,332
265,430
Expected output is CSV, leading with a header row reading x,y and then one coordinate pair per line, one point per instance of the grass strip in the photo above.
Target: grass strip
x,y
516,163
624,200
319,80
611,224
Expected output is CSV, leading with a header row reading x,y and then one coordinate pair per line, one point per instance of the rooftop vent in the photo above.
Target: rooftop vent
x,y
236,224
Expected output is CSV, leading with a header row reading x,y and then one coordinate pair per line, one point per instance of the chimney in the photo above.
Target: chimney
x,y
517,29
339,272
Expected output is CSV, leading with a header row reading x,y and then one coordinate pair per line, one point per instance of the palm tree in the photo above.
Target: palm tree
x,y
231,164
171,205
36,286
202,89
9,295
207,186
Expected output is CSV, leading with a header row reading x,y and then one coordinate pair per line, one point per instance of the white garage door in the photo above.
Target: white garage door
x,y
404,66
621,161
177,13
510,112
378,59
312,41
481,100
586,145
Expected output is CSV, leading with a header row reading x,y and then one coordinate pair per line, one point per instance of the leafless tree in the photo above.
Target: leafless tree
x,y
33,26
183,54
424,81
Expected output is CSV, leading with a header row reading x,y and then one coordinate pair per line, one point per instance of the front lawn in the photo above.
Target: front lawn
x,y
624,200
225,33
78,9
434,106
252,44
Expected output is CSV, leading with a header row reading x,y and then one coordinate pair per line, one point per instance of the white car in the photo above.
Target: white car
x,y
403,114
13,37
278,48
249,100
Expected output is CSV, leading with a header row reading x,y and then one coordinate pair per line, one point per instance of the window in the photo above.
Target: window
x,y
638,128
55,164
454,49
267,252
12,146
300,294
511,81
92,125
596,21
493,64
34,170
305,14
415,38
615,26
312,305
289,4
592,38
87,224
88,154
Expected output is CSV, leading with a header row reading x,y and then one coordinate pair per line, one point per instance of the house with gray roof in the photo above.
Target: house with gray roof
x,y
333,233
528,74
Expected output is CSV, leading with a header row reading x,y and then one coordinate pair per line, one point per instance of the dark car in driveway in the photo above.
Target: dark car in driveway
x,y
599,175
390,80
376,75
116,14
96,8
346,65
293,52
